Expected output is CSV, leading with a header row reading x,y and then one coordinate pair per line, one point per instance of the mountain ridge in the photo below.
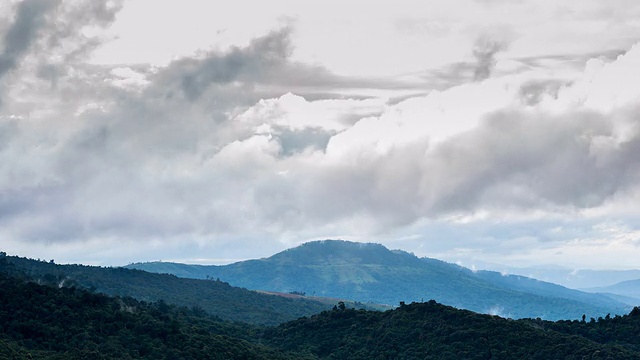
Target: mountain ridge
x,y
370,272
628,288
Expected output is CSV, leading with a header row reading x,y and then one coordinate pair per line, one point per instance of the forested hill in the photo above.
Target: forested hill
x,y
433,331
215,297
373,273
48,322
44,322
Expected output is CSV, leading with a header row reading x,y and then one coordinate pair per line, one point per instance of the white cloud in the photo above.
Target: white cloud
x,y
605,87
246,146
294,112
128,78
432,118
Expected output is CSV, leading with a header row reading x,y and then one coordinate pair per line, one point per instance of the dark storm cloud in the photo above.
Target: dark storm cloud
x,y
29,18
524,161
45,39
248,65
64,40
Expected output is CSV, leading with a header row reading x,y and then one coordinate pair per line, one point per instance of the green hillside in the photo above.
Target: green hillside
x,y
433,331
372,273
51,322
215,297
43,322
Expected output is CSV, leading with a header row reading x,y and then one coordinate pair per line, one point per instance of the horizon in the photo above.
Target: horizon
x,y
138,130
495,267
585,280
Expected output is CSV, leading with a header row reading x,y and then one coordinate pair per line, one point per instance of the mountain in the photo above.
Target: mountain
x,y
373,273
543,288
629,289
52,322
215,297
571,278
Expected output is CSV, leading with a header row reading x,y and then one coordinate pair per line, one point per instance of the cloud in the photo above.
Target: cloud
x,y
46,43
484,51
246,65
105,148
393,169
29,18
296,112
515,160
225,146
265,68
562,153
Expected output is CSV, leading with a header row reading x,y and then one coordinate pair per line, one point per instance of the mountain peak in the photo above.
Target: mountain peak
x,y
323,252
370,272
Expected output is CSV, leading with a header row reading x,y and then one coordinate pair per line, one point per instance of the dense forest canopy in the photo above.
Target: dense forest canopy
x,y
62,321
215,297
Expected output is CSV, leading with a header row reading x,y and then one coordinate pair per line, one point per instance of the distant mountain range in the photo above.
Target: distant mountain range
x,y
373,273
568,277
629,288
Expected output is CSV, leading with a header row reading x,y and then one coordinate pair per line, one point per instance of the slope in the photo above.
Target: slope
x,y
567,277
372,273
629,288
51,322
433,331
46,322
215,297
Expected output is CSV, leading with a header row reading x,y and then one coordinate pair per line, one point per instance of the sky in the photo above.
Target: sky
x,y
479,132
